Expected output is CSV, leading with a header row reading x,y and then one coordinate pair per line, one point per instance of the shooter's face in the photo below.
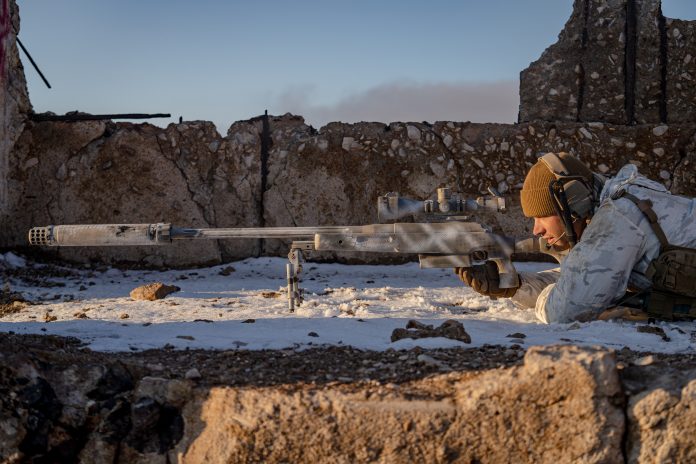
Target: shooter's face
x,y
551,228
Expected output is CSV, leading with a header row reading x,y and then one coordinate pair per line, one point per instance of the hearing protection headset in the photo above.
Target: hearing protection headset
x,y
574,196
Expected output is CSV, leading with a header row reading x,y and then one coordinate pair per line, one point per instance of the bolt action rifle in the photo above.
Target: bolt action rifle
x,y
445,238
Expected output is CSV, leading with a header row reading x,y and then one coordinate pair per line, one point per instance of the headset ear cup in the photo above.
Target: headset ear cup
x,y
579,198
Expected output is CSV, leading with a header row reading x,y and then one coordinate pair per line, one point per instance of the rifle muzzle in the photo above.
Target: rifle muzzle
x,y
101,235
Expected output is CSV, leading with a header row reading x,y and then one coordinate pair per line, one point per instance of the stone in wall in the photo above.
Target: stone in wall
x,y
603,91
648,61
550,86
681,70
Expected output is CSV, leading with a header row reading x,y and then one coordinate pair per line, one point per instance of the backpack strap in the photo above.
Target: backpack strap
x,y
645,206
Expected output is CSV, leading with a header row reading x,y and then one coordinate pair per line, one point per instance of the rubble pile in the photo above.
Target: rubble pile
x,y
64,403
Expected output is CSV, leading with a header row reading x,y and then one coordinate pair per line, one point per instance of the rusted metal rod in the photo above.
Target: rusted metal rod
x,y
26,52
39,117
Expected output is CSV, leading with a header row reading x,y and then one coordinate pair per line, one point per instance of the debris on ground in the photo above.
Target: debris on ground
x,y
449,329
226,271
654,330
153,291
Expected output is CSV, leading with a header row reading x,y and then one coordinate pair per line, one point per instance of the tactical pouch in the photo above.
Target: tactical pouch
x,y
674,271
670,306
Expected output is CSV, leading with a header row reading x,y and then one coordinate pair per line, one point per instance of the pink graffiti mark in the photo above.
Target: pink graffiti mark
x,y
5,29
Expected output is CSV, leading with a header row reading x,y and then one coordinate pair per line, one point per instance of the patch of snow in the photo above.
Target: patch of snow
x,y
13,260
357,305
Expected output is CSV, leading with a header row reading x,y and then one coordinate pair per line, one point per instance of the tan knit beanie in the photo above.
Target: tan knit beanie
x,y
535,195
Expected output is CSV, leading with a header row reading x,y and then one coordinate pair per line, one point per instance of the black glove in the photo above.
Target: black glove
x,y
485,279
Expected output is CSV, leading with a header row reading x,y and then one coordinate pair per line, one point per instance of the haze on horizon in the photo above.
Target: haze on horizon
x,y
327,61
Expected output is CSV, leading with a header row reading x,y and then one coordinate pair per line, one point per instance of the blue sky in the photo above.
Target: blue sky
x,y
327,60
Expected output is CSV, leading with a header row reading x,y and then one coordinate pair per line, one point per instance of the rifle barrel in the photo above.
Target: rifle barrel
x,y
183,233
160,234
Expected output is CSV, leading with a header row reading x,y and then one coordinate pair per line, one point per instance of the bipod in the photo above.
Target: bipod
x,y
293,268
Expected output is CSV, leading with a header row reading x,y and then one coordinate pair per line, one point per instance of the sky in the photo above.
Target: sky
x,y
350,61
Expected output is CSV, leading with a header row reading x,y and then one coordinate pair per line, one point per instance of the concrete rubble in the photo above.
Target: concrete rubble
x,y
564,403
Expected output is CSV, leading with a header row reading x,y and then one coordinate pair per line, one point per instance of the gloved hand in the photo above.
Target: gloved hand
x,y
485,279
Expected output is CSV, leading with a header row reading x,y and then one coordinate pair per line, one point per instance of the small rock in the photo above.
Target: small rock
x,y
645,360
49,318
659,130
413,324
154,291
185,337
585,133
248,321
429,360
80,315
82,288
312,334
123,316
271,294
516,335
654,330
449,329
227,271
192,374
413,133
347,143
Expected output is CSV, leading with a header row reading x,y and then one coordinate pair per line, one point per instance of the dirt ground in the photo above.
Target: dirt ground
x,y
321,365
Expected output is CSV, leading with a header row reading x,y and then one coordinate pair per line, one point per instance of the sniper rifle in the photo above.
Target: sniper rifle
x,y
445,238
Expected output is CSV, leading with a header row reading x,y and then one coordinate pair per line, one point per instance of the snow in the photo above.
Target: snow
x,y
357,305
12,260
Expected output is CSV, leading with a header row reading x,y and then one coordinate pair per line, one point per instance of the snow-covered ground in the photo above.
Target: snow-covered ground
x,y
354,305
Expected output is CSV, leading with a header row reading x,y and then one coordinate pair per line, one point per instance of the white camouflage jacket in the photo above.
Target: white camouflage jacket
x,y
613,253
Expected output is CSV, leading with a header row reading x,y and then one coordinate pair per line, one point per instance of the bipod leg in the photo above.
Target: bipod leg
x,y
294,267
290,271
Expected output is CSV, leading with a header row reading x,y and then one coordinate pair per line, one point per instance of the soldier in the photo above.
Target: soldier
x,y
613,231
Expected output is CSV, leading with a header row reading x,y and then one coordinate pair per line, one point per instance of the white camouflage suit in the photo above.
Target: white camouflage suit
x,y
613,254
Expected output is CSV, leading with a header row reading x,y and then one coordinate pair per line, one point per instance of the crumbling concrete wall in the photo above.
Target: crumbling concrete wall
x,y
14,99
616,61
186,174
